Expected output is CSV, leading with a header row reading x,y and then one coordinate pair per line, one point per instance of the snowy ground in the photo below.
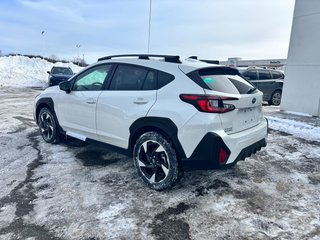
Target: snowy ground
x,y
79,191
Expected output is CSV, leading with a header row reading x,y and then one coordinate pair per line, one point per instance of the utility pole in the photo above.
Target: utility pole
x,y
149,27
43,43
78,58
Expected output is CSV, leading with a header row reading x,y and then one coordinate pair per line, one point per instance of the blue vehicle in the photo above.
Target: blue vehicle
x,y
59,74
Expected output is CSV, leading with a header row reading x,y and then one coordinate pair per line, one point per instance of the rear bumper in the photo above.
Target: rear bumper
x,y
238,146
252,149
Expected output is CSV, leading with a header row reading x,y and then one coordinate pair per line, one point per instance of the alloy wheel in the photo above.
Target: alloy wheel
x,y
276,98
46,125
153,161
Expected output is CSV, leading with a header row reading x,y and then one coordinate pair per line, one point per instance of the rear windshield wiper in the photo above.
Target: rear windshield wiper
x,y
251,90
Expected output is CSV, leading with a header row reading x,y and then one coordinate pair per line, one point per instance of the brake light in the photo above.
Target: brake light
x,y
208,103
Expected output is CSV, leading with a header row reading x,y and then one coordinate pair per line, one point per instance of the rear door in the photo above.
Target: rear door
x,y
130,95
266,83
248,113
252,77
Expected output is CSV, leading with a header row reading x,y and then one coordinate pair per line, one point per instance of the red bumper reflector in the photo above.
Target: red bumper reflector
x,y
222,155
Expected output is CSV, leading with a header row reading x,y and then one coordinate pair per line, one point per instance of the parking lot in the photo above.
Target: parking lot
x,y
74,190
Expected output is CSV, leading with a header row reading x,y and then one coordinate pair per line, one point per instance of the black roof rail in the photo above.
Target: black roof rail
x,y
167,58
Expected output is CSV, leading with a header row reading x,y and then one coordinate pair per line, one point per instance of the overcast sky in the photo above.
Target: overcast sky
x,y
211,29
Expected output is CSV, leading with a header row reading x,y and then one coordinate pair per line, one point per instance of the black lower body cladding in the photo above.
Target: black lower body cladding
x,y
206,154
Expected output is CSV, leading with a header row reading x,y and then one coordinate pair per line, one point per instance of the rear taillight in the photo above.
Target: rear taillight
x,y
208,103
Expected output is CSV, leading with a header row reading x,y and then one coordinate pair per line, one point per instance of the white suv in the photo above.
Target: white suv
x,y
166,114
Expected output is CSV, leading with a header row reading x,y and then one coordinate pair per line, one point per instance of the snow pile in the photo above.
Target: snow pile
x,y
299,129
21,71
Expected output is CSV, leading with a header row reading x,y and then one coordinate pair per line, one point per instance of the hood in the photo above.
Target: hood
x,y
61,76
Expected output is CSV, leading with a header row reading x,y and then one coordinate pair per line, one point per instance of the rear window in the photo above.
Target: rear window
x,y
128,77
276,75
227,83
226,80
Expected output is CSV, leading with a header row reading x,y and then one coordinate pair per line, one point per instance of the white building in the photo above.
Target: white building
x,y
269,63
301,91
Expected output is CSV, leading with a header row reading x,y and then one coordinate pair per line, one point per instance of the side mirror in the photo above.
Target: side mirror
x,y
49,72
65,86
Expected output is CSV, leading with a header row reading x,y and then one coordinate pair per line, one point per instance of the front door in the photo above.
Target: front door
x,y
76,111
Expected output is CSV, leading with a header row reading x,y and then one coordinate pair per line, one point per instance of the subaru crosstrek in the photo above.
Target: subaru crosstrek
x,y
168,115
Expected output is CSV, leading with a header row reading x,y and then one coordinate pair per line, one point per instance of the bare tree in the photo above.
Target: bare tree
x,y
53,58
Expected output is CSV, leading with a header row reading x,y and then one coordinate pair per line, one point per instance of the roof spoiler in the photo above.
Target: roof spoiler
x,y
167,58
204,60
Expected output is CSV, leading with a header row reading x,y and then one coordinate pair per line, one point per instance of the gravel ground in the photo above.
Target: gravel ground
x,y
74,190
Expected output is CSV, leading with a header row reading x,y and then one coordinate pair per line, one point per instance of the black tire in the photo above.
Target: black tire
x,y
156,161
275,98
48,126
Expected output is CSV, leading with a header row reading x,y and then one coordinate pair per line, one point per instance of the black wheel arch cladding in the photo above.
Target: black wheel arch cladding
x,y
165,125
48,103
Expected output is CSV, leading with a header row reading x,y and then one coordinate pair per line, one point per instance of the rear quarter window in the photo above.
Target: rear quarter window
x,y
277,75
164,79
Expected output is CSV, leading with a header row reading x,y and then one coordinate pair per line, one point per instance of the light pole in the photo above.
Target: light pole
x,y
78,58
43,42
149,27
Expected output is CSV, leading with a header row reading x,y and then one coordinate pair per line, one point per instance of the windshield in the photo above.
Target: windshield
x,y
62,71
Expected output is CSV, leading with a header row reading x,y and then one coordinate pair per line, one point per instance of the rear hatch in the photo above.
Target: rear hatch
x,y
245,100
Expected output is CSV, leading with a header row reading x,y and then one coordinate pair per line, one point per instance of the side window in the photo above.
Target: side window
x,y
264,74
92,79
250,75
128,77
276,75
164,79
150,83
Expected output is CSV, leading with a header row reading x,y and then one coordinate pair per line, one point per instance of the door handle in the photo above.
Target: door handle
x,y
91,101
140,101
